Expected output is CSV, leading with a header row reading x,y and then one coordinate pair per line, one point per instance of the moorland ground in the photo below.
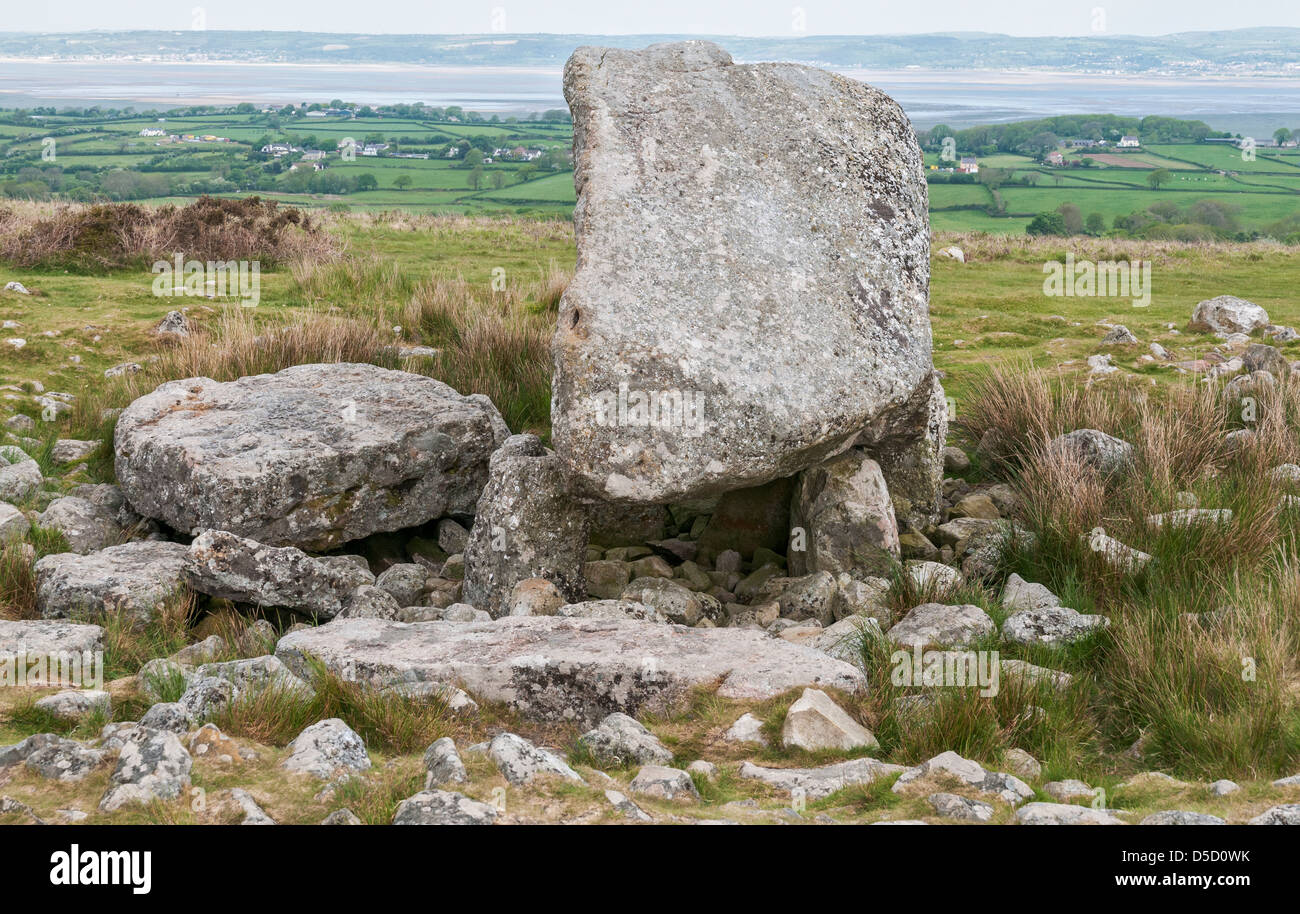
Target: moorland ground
x,y
1014,364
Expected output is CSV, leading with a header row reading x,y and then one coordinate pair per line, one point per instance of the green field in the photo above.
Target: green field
x,y
1011,189
90,150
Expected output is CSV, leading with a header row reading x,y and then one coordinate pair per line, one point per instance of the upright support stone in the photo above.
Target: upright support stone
x,y
908,444
841,519
527,525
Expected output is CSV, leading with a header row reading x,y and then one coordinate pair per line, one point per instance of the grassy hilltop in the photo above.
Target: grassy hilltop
x,y
483,291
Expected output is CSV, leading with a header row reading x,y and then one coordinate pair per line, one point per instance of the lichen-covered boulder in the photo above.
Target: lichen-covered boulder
x,y
751,285
1225,314
842,519
136,579
86,526
568,669
526,525
221,564
311,456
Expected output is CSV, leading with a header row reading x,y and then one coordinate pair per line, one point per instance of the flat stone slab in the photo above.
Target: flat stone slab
x,y
752,274
554,668
816,783
312,456
48,636
134,578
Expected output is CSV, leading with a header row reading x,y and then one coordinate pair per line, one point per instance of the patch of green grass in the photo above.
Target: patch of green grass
x,y
375,798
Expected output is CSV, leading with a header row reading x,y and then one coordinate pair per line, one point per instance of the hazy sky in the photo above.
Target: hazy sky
x,y
709,17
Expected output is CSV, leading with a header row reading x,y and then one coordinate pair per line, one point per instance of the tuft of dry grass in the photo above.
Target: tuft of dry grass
x,y
493,343
112,236
1200,656
129,645
17,583
388,721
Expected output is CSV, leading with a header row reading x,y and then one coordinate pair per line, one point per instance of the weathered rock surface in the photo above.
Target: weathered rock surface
x,y
952,806
327,747
612,611
626,807
407,583
620,740
45,637
167,715
254,673
443,807
1119,556
816,722
1050,625
1092,448
1181,817
746,729
842,520
223,564
86,526
74,704
519,761
204,696
370,602
1064,814
19,478
1288,814
1069,789
534,597
728,371
1006,787
820,782
253,813
664,783
908,444
942,625
442,764
153,766
1227,314
13,524
557,668
1020,594
527,525
54,757
673,601
134,578
312,456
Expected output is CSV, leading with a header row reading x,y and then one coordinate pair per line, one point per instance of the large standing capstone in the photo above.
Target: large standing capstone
x,y
312,456
752,276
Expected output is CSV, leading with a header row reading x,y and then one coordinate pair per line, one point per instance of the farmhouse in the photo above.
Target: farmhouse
x,y
968,166
1054,158
1128,142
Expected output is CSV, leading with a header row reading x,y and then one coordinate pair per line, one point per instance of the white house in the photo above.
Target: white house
x,y
968,166
1128,142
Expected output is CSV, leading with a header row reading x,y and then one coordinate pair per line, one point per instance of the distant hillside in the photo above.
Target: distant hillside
x,y
1240,51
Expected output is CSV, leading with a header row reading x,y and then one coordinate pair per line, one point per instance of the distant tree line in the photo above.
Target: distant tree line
x,y
1038,137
